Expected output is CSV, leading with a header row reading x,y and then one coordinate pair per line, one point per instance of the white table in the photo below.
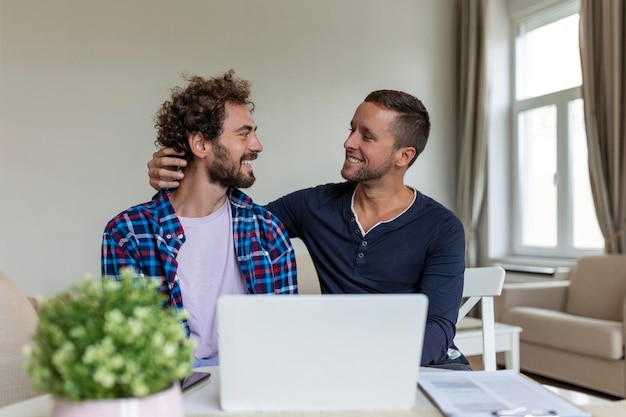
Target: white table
x,y
469,340
203,401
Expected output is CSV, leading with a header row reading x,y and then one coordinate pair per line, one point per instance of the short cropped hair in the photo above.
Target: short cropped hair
x,y
412,126
200,107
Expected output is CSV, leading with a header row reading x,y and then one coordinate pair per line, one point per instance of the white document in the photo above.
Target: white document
x,y
493,393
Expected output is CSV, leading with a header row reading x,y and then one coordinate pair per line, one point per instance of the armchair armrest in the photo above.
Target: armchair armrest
x,y
549,295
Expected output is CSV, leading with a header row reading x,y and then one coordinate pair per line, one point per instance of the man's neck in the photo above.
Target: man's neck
x,y
378,200
196,196
376,203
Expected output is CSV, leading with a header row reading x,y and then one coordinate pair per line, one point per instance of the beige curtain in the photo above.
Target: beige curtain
x,y
602,50
472,149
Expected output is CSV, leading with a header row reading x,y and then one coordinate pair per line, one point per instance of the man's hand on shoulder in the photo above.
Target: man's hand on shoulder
x,y
163,168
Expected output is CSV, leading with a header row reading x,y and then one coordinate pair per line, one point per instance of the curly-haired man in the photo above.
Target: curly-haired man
x,y
205,238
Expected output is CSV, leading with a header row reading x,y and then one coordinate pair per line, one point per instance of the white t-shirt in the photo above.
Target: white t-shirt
x,y
207,268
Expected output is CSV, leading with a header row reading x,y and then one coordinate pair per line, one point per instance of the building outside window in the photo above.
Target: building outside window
x,y
554,214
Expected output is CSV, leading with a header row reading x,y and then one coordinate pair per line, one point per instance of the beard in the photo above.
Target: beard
x,y
227,172
366,174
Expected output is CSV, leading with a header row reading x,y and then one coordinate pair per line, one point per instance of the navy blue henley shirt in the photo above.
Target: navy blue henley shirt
x,y
422,250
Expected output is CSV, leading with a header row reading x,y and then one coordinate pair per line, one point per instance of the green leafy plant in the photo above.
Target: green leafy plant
x,y
108,339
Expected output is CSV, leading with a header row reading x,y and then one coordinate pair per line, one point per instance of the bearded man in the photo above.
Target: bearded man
x,y
205,238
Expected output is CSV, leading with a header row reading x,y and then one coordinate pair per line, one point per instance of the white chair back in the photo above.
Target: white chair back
x,y
482,284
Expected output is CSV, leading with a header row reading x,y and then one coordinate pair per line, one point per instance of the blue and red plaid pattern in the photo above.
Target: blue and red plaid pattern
x,y
148,237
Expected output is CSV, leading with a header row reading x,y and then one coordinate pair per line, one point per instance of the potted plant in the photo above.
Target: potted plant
x,y
110,345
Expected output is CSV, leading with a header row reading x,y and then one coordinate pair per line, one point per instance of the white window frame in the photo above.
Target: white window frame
x,y
564,248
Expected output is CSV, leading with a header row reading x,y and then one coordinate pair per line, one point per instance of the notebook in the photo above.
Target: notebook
x,y
320,352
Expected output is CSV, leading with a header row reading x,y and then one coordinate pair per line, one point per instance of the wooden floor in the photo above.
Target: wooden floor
x,y
476,363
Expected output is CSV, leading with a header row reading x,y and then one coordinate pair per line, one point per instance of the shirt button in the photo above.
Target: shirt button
x,y
356,231
361,254
352,219
180,236
168,236
364,243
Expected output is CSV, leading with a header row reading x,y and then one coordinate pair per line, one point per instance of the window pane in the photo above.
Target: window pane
x,y
538,166
548,58
587,233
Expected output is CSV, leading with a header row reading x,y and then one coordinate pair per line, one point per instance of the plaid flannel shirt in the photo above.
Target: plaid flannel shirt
x,y
148,237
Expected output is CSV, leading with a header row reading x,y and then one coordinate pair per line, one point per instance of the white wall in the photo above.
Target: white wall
x,y
80,81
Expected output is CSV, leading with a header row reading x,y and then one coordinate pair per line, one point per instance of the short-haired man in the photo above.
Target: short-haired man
x,y
205,238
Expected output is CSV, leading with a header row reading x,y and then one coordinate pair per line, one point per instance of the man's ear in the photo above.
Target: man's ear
x,y
198,145
405,156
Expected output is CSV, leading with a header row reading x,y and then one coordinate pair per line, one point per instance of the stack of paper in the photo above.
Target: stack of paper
x,y
493,393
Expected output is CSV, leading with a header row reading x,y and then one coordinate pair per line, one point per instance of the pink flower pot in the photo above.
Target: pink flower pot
x,y
167,403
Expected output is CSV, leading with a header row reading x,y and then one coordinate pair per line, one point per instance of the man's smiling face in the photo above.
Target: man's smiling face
x,y
235,149
370,145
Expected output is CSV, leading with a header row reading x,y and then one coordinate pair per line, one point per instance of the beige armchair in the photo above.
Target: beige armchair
x,y
18,320
573,330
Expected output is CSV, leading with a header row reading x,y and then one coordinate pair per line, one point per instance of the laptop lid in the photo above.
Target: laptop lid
x,y
320,352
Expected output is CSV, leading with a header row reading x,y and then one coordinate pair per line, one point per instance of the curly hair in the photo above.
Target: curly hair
x,y
199,108
412,126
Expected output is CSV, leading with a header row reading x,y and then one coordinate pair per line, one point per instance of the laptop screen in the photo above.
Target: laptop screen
x,y
320,352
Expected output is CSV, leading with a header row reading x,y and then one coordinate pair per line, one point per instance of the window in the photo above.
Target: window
x,y
553,208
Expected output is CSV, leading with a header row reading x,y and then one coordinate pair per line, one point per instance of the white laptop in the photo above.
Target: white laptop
x,y
320,352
